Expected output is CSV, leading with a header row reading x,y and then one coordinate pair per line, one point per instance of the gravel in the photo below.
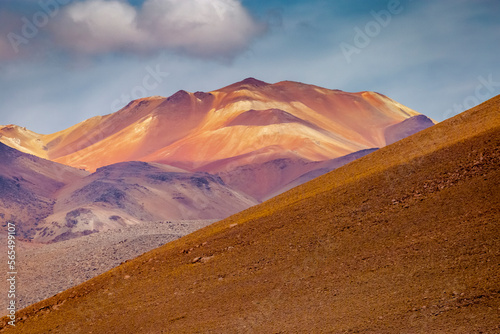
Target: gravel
x,y
45,270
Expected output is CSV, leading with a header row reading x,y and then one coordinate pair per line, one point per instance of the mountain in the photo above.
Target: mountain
x,y
248,128
130,193
403,240
29,187
406,128
51,202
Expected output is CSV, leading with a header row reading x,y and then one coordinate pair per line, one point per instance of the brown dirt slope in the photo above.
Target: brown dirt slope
x,y
404,240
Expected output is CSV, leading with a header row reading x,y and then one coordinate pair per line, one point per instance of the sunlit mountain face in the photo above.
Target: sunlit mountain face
x,y
257,137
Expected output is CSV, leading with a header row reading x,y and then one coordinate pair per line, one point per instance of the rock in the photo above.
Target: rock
x,y
206,259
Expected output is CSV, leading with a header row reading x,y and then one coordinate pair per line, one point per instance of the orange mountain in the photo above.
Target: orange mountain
x,y
404,240
248,129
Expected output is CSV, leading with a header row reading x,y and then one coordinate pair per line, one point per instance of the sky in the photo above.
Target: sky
x,y
64,61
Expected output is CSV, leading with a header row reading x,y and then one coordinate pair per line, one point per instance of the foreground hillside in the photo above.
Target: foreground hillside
x,y
43,273
403,240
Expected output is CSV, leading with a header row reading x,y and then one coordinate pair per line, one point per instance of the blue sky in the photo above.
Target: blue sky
x,y
90,57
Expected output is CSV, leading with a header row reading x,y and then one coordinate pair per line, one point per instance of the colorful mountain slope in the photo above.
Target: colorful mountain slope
x,y
29,186
404,240
247,124
52,202
131,193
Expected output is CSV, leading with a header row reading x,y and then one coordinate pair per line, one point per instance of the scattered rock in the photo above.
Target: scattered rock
x,y
52,268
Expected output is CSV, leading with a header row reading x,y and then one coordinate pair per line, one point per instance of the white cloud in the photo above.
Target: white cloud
x,y
98,26
206,28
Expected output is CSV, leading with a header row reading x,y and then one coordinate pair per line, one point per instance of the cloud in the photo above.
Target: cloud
x,y
97,26
199,26
203,28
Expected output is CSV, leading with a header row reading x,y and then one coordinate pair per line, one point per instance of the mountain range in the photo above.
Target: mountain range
x,y
191,155
51,202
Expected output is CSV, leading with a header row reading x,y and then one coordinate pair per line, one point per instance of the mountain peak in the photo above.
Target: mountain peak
x,y
253,82
247,83
180,98
152,98
9,127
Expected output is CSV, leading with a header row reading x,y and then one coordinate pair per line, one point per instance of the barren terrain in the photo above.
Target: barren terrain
x,y
47,269
403,240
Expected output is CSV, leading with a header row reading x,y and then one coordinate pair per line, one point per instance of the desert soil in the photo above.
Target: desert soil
x,y
47,269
